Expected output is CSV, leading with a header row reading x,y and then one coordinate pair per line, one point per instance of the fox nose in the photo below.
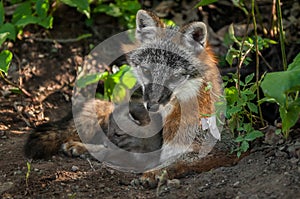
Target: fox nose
x,y
152,106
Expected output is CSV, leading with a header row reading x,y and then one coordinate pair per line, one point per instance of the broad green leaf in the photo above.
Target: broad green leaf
x,y
295,65
9,28
90,79
2,12
128,79
119,93
132,6
266,99
110,9
81,5
3,37
26,20
5,59
42,7
46,22
205,2
277,84
253,135
291,115
24,9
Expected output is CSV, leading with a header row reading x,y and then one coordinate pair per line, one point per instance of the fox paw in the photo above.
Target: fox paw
x,y
73,149
152,179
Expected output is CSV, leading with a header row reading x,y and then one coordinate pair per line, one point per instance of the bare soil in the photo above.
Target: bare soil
x,y
47,71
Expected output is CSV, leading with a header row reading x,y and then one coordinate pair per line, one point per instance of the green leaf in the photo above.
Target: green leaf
x,y
42,7
90,79
231,55
110,9
249,78
231,95
131,6
205,2
234,110
295,65
252,107
5,59
253,135
291,115
8,28
26,20
289,81
3,37
119,93
81,5
24,9
46,22
244,146
2,13
129,79
239,139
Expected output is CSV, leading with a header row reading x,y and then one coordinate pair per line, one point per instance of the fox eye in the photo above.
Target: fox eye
x,y
175,77
145,70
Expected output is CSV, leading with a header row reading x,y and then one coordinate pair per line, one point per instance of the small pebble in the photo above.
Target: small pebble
x,y
236,184
74,168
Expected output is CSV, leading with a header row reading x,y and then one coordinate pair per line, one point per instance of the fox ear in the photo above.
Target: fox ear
x,y
146,25
194,36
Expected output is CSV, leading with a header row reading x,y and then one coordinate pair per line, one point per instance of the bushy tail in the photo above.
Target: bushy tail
x,y
42,144
46,140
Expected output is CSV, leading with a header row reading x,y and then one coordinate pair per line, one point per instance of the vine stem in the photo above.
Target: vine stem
x,y
257,61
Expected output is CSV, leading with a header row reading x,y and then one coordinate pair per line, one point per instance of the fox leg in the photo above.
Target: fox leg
x,y
216,158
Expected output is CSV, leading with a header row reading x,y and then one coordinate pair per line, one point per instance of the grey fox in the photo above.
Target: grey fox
x,y
179,79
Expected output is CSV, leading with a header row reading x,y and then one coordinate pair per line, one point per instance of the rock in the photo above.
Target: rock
x,y
74,168
5,186
173,184
271,137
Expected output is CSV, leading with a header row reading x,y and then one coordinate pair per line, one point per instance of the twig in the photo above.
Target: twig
x,y
71,40
21,115
91,164
242,58
265,61
284,62
257,61
15,85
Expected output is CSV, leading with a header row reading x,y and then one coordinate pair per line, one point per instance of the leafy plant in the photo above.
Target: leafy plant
x,y
82,6
285,93
241,111
115,85
244,139
124,10
239,104
28,172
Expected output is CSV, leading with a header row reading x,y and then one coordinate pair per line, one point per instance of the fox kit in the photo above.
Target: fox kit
x,y
179,80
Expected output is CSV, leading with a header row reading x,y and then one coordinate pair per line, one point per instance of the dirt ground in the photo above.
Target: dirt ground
x,y
47,70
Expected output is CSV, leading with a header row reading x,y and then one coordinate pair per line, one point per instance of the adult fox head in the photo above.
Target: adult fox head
x,y
167,63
